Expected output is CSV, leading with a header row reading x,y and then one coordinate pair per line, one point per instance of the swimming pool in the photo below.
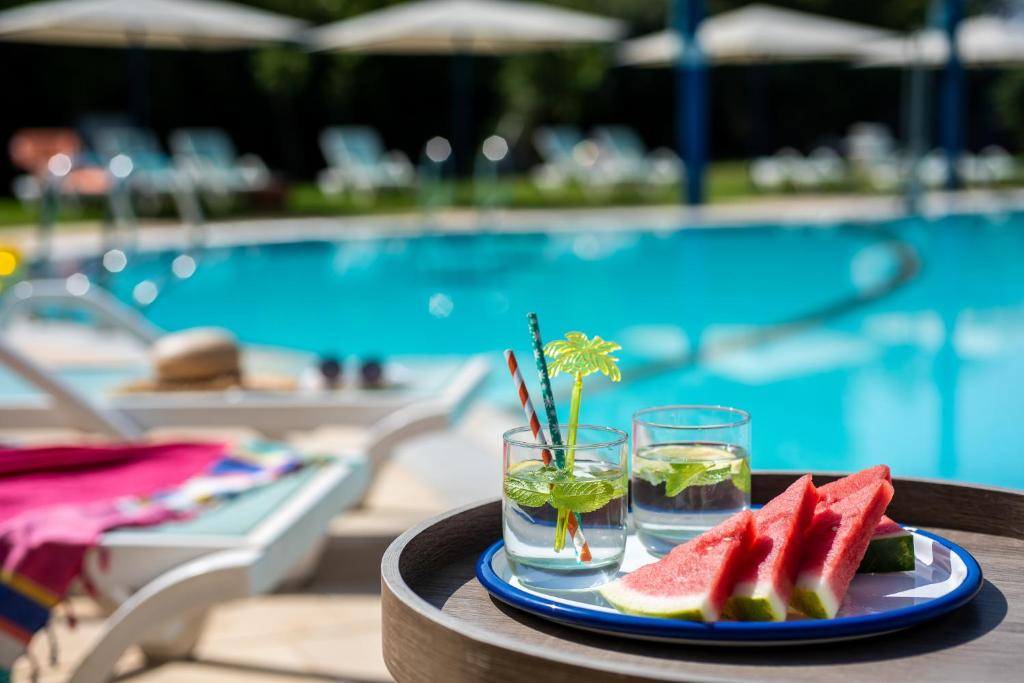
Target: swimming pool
x,y
905,343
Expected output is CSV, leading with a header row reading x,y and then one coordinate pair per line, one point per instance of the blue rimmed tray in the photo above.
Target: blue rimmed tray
x,y
945,578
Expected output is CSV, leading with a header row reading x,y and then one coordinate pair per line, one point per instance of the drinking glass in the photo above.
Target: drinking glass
x,y
539,482
691,471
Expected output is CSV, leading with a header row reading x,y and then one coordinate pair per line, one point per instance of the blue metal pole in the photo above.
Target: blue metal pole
x,y
691,97
951,114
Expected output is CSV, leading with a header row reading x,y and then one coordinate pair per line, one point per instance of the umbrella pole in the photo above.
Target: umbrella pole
x,y
462,110
761,126
915,90
138,76
692,97
952,111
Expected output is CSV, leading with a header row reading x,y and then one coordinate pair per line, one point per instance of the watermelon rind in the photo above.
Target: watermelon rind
x,y
752,601
889,553
631,601
814,598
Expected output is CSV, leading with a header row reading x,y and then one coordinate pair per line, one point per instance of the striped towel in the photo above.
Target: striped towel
x,y
56,502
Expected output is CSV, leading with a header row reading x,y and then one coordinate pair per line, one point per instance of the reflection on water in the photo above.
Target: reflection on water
x,y
925,378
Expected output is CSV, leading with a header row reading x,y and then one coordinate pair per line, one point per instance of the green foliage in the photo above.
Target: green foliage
x,y
279,70
1008,102
551,87
579,355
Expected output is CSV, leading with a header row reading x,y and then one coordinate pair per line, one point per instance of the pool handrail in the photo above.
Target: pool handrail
x,y
31,294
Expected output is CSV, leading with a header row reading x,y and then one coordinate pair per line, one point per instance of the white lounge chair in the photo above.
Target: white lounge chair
x,y
209,158
358,163
158,583
625,158
569,158
134,155
274,414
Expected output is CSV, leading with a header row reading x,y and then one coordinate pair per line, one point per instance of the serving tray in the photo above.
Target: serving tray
x,y
439,623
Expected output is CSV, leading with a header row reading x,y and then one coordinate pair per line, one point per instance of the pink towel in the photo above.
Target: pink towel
x,y
32,478
56,502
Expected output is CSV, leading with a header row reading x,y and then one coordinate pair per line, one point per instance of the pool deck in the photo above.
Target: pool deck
x,y
87,239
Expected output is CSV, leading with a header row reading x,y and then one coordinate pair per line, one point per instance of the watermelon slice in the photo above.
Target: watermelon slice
x,y
892,547
835,544
765,581
841,488
691,582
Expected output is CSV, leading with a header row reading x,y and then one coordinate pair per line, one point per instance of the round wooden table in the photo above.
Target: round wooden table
x,y
440,624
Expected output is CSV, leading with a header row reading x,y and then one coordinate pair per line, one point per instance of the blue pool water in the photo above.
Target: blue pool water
x,y
926,377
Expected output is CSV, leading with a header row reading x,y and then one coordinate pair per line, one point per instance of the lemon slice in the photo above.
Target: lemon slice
x,y
526,466
692,453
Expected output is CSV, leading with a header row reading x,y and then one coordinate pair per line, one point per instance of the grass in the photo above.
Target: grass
x,y
726,181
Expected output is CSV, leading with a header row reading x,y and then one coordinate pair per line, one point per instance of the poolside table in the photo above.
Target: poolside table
x,y
440,624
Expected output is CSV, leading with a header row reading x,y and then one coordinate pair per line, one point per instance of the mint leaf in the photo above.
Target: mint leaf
x,y
682,475
713,475
582,496
741,479
621,487
546,473
531,494
654,472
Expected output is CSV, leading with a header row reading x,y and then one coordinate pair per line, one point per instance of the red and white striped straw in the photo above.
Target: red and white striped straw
x,y
524,399
572,525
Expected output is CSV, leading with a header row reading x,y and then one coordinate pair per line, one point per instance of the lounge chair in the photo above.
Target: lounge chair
x,y
992,165
358,163
871,149
933,169
55,160
208,157
157,584
998,164
788,168
625,158
134,155
273,413
58,172
568,158
827,165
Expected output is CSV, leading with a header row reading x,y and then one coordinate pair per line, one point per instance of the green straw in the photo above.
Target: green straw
x,y
545,388
555,432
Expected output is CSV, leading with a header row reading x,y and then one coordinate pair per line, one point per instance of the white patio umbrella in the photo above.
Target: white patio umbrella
x,y
162,24
757,34
983,40
464,27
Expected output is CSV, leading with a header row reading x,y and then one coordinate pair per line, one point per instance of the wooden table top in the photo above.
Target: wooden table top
x,y
441,625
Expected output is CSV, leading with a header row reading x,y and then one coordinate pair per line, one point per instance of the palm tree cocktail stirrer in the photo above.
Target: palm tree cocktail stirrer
x,y
575,527
579,356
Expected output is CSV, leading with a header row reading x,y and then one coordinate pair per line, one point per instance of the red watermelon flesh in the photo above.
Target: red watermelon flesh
x,y
765,581
891,548
841,488
886,526
691,582
835,544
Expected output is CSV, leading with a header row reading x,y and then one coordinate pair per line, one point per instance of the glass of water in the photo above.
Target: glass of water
x,y
691,471
564,509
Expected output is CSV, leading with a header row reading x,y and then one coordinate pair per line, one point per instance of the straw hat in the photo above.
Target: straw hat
x,y
196,355
204,358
